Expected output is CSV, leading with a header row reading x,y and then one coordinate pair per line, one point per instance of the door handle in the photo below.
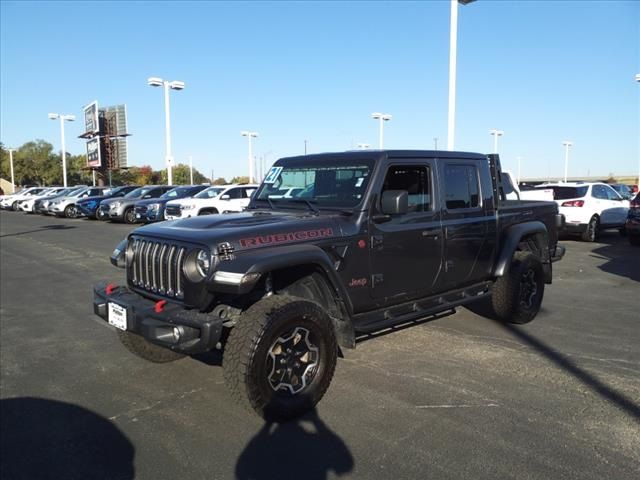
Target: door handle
x,y
431,234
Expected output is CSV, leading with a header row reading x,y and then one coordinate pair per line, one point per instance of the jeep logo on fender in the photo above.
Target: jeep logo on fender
x,y
279,238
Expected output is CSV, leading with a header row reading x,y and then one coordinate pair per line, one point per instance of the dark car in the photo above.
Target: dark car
x,y
377,239
625,191
89,206
152,210
632,226
122,209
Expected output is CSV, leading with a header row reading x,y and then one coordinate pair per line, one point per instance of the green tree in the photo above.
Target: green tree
x,y
220,181
240,180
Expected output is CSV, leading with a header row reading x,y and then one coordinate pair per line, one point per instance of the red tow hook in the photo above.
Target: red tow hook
x,y
110,288
159,306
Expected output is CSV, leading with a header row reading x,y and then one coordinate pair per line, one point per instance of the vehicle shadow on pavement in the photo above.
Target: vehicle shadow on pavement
x,y
47,439
608,393
302,448
45,228
621,259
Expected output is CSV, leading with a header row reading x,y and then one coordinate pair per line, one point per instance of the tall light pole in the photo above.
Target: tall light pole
x,y
382,117
496,134
173,85
250,135
519,158
638,80
566,144
63,118
453,52
13,182
191,169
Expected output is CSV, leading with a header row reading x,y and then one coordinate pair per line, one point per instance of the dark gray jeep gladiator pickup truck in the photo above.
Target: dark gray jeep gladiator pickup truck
x,y
368,241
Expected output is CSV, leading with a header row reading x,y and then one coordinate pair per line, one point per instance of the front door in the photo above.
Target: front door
x,y
406,250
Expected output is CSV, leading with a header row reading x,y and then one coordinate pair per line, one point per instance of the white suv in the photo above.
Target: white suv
x,y
589,207
224,199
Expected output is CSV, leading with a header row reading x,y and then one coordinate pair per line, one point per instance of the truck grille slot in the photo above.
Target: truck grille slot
x,y
157,267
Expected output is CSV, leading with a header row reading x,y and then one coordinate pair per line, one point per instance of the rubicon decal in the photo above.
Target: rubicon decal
x,y
280,238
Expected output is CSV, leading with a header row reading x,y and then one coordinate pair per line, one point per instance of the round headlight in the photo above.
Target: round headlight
x,y
203,263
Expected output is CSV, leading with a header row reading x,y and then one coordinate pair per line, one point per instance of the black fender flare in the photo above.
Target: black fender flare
x,y
254,264
512,237
246,268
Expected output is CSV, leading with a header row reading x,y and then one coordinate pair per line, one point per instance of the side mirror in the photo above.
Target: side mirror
x,y
225,197
395,202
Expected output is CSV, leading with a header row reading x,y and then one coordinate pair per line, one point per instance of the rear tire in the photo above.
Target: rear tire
x,y
516,297
143,348
591,232
634,240
280,357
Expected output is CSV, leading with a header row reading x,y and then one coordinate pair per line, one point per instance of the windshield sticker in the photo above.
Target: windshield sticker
x,y
359,182
273,175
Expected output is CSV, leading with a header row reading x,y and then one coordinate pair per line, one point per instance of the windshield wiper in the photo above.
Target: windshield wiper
x,y
311,206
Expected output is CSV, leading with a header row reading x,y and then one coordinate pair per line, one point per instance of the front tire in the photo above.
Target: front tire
x,y
208,211
516,297
143,348
591,232
634,240
129,216
280,357
70,211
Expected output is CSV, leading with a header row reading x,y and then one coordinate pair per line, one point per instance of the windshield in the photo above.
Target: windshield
x,y
326,184
176,192
210,192
138,192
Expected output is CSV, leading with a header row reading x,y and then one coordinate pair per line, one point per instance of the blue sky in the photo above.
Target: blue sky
x,y
541,71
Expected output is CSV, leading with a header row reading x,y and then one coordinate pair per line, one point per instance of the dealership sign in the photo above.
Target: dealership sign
x,y
93,153
91,124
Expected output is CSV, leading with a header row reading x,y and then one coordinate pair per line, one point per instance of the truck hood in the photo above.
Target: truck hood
x,y
247,230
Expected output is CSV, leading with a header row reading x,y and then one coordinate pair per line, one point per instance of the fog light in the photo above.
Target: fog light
x,y
176,334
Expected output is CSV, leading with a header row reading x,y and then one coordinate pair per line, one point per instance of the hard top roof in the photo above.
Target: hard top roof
x,y
377,155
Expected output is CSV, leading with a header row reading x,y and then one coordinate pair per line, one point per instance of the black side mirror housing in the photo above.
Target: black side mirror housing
x,y
395,202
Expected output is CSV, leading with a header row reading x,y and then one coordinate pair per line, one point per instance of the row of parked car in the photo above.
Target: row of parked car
x,y
130,204
588,208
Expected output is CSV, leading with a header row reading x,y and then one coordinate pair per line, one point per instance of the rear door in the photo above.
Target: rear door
x,y
406,251
465,223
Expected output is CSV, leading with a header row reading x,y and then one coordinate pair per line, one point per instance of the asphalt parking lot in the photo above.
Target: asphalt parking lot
x,y
459,397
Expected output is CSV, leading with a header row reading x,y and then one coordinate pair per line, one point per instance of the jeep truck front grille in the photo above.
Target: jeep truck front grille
x,y
157,267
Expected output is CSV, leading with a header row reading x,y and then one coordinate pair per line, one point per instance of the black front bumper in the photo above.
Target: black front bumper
x,y
174,327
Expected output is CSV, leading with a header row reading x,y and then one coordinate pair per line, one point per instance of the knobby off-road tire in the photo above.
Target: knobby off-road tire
x,y
144,349
517,296
591,232
269,362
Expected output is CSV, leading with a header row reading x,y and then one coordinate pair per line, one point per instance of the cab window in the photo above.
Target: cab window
x,y
415,179
461,186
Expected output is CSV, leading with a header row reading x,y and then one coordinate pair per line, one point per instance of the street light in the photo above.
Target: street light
x,y
566,144
496,134
173,85
250,135
383,117
453,51
13,183
63,118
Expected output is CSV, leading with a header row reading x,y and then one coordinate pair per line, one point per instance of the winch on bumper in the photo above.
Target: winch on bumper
x,y
163,323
